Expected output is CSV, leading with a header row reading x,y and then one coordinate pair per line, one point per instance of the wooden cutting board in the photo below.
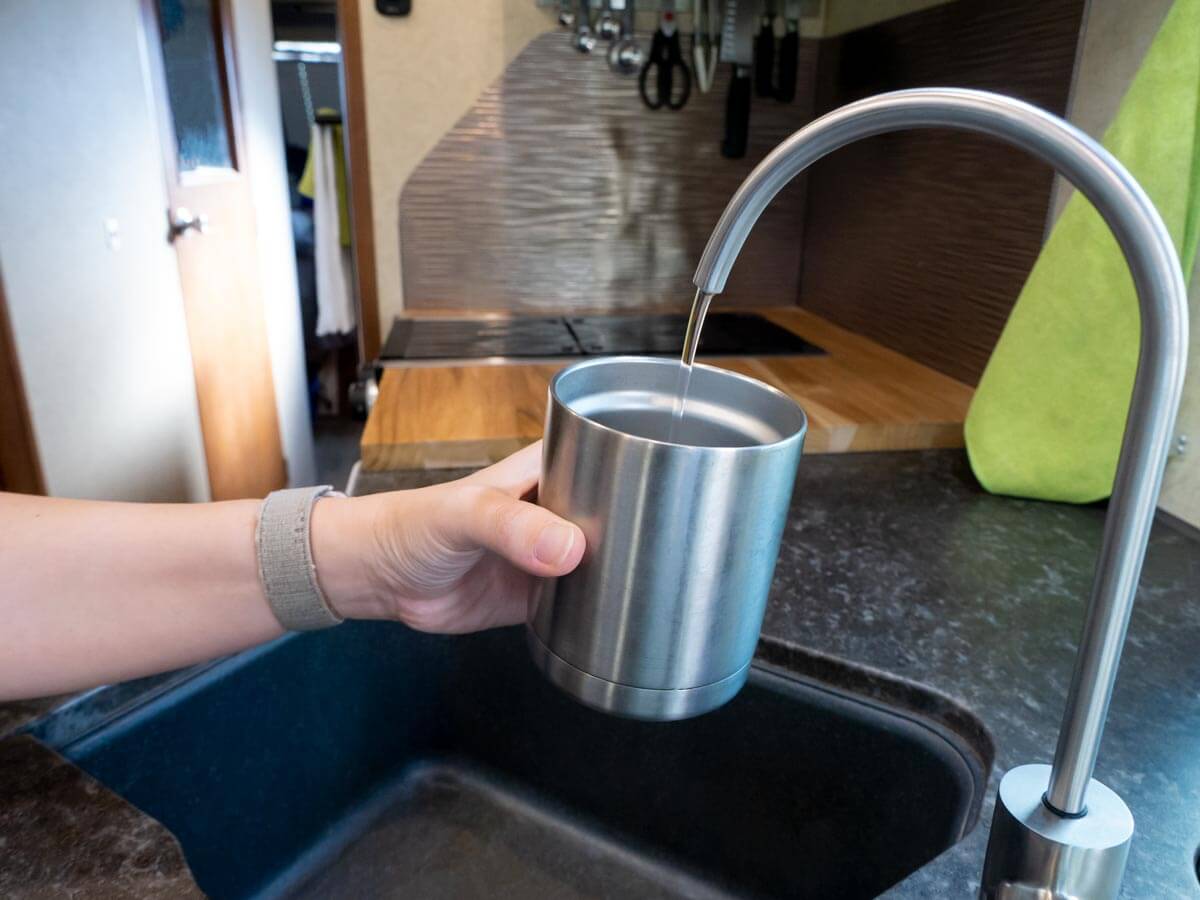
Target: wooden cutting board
x,y
860,396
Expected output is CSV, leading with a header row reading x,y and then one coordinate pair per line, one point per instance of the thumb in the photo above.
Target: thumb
x,y
531,538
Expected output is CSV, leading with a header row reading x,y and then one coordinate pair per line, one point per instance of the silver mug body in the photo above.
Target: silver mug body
x,y
661,618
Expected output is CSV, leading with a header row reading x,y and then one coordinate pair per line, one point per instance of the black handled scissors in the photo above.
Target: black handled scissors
x,y
665,58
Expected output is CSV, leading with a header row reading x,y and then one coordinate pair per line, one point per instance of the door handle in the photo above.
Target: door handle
x,y
183,220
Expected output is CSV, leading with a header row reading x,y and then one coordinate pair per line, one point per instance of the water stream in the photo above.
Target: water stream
x,y
691,341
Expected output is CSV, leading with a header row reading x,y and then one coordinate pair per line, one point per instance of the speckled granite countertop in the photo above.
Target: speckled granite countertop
x,y
63,834
17,713
900,565
900,562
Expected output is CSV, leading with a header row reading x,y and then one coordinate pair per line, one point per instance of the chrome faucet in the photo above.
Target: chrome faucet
x,y
1056,831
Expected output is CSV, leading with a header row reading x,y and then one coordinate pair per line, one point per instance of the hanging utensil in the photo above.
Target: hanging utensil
x,y
764,55
789,53
666,61
566,15
583,40
625,57
706,35
608,26
737,47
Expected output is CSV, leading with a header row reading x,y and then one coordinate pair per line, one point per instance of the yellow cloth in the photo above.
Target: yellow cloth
x,y
1047,418
307,185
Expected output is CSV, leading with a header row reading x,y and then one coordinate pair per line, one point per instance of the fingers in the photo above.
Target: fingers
x,y
517,475
487,513
531,538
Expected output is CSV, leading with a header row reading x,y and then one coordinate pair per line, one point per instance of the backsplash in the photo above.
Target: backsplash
x,y
560,191
922,240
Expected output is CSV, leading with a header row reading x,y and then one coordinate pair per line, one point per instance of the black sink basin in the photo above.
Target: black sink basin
x,y
370,761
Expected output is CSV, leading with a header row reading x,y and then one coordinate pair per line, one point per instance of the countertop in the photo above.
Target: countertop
x,y
62,834
859,395
901,563
901,566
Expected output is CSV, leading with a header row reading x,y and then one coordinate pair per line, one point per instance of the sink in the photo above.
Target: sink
x,y
370,760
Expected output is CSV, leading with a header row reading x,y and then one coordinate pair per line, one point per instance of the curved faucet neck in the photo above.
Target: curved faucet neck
x,y
1162,298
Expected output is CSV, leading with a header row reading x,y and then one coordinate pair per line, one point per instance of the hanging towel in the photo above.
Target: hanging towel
x,y
1047,418
308,187
335,297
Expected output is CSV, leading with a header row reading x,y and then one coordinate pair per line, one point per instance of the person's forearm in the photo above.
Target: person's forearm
x,y
93,592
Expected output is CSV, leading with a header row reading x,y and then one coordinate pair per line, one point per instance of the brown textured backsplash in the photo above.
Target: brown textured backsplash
x,y
922,240
559,190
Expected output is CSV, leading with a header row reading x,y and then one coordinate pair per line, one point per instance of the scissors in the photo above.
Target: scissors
x,y
665,58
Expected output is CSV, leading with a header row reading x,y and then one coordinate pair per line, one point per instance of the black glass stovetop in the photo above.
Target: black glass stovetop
x,y
724,334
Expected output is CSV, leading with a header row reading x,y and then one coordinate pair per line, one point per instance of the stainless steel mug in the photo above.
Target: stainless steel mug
x,y
661,618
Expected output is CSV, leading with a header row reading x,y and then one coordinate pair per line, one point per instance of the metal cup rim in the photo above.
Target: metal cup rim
x,y
797,435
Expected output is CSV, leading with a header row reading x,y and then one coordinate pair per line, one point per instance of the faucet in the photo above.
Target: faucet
x,y
1056,831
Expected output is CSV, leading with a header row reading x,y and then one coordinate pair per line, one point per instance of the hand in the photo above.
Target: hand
x,y
452,558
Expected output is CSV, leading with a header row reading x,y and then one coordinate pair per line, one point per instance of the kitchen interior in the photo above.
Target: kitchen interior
x,y
249,245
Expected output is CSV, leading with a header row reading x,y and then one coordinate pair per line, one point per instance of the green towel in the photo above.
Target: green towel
x,y
1047,417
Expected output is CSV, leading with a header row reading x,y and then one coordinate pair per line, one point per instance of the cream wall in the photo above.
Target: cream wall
x,y
422,73
1116,36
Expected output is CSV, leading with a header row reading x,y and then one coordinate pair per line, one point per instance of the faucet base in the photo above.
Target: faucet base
x,y
1036,854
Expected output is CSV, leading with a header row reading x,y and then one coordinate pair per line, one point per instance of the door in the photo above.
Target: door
x,y
211,225
19,467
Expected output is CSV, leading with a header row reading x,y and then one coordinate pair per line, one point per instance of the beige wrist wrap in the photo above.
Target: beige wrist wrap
x,y
285,560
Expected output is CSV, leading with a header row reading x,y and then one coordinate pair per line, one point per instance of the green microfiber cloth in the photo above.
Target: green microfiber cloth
x,y
1047,418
